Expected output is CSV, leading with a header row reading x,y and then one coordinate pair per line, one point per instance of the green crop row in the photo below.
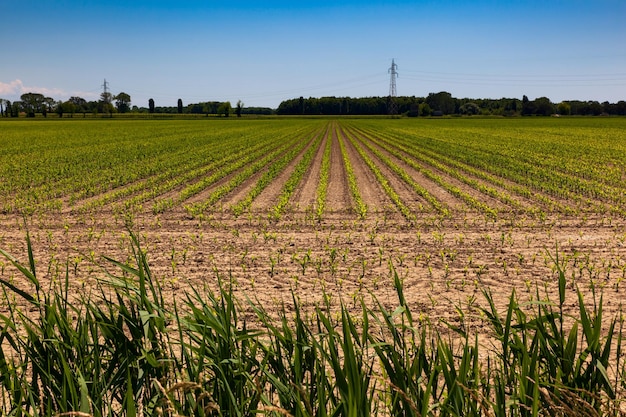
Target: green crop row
x,y
403,154
239,177
296,176
535,161
273,170
421,191
391,193
230,160
569,165
360,207
322,186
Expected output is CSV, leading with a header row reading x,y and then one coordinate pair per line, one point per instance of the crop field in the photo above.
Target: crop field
x,y
442,218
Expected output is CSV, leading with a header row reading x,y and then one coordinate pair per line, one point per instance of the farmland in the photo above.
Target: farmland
x,y
308,212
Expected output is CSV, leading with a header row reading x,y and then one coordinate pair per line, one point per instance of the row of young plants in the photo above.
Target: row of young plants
x,y
239,176
589,155
275,167
421,191
90,164
410,155
431,162
123,350
322,184
229,162
297,175
464,172
66,162
173,175
431,155
359,206
514,159
428,159
382,180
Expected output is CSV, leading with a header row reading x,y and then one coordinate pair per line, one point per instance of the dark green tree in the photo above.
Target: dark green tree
x,y
425,109
469,109
32,103
442,102
180,106
122,102
239,108
80,104
106,103
151,106
543,106
224,109
15,108
564,109
528,107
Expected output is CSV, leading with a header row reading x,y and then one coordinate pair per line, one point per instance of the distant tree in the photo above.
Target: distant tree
x,y
106,98
106,103
122,102
425,110
414,110
239,108
80,104
543,106
60,109
2,101
47,105
595,108
528,107
511,107
442,101
32,103
15,108
564,109
224,109
469,109
180,106
66,107
151,106
78,101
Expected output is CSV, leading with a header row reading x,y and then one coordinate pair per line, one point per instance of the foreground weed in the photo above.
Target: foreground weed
x,y
123,351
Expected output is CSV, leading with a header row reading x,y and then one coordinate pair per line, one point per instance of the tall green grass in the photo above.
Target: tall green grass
x,y
123,350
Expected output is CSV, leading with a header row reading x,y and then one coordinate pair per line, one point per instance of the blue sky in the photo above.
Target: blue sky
x,y
265,52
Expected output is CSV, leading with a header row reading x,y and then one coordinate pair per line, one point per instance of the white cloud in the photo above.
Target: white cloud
x,y
14,89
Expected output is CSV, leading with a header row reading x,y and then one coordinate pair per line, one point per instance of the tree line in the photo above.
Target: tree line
x,y
442,104
435,104
31,104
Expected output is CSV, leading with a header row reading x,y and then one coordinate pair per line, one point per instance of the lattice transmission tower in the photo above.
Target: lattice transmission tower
x,y
105,94
393,107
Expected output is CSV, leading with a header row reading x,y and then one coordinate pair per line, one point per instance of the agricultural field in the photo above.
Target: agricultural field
x,y
445,218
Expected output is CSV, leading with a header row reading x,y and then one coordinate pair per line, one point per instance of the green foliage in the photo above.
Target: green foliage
x,y
359,206
531,165
224,109
322,186
295,178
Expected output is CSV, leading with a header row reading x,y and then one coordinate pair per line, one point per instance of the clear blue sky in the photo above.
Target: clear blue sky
x,y
265,52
